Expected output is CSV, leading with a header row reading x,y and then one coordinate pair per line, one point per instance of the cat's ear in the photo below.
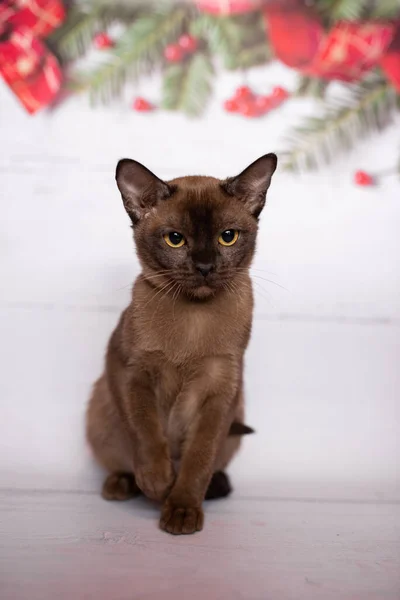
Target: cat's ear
x,y
252,184
140,188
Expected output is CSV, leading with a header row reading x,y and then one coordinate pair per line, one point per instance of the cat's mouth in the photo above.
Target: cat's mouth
x,y
203,291
205,287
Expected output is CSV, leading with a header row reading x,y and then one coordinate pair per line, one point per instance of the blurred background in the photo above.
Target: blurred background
x,y
207,87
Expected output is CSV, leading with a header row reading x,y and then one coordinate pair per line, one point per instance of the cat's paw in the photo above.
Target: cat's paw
x,y
181,519
156,479
120,486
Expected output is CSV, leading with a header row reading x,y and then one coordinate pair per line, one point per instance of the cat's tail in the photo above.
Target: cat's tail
x,y
239,429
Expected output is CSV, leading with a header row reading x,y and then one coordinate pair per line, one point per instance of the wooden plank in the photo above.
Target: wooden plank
x,y
78,546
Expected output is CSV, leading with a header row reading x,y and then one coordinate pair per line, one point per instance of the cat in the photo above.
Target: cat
x,y
166,416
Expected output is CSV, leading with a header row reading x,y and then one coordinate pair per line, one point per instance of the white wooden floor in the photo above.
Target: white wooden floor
x,y
316,508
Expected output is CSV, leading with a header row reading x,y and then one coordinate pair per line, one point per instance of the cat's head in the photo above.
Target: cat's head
x,y
195,233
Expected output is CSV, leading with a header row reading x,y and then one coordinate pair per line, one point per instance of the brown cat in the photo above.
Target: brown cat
x,y
160,415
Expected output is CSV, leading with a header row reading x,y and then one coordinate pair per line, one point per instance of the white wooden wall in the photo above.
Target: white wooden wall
x,y
322,370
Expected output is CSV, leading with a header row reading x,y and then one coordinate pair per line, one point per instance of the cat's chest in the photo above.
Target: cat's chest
x,y
189,334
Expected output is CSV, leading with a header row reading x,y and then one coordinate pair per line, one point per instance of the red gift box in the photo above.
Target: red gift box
x,y
346,52
26,64
40,16
30,70
350,50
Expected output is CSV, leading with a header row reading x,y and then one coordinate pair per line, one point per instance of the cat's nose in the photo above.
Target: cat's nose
x,y
205,269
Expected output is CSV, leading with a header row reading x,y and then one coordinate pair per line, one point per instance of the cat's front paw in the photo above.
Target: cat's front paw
x,y
181,519
156,479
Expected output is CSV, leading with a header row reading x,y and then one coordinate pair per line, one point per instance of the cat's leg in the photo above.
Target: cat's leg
x,y
110,444
120,486
220,485
182,511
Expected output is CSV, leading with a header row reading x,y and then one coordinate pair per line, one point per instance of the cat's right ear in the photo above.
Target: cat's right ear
x,y
140,189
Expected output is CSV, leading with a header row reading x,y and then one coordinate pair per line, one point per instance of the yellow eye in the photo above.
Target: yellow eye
x,y
174,239
228,237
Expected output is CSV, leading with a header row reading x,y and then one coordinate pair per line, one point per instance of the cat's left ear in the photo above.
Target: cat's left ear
x,y
140,189
252,184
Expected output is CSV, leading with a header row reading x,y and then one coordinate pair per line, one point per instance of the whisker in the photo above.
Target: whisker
x,y
169,290
169,283
270,281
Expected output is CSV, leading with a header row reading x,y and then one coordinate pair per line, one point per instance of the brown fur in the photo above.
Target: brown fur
x,y
160,415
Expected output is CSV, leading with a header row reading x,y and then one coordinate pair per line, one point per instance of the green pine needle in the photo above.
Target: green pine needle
x,y
312,86
240,42
317,141
187,86
139,50
347,10
74,37
385,9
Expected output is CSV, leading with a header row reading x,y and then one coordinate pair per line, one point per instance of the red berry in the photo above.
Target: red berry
x,y
231,105
173,53
263,103
102,41
141,105
363,178
280,93
243,92
188,43
248,109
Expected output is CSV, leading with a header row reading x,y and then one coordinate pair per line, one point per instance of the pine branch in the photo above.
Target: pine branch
x,y
246,58
347,10
74,37
240,42
385,9
187,86
139,50
312,86
370,108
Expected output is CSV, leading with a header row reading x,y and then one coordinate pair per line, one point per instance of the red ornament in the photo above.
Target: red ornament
x,y
390,63
30,70
295,33
102,41
228,7
243,92
363,178
231,105
188,43
173,53
346,52
350,50
142,105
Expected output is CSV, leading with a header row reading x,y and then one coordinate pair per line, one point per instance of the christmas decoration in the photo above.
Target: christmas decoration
x,y
173,53
142,105
40,17
102,41
390,62
345,52
246,102
243,92
27,66
188,43
362,178
228,7
323,40
369,107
